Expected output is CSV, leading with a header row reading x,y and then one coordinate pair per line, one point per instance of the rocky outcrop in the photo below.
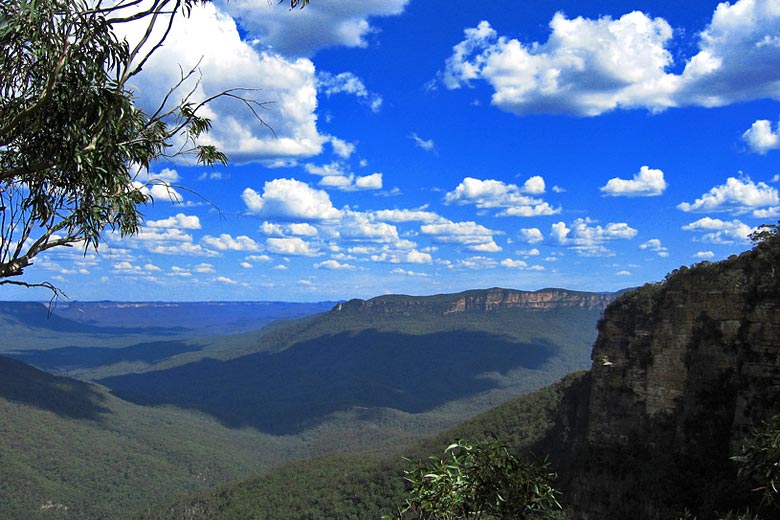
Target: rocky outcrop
x,y
682,372
487,300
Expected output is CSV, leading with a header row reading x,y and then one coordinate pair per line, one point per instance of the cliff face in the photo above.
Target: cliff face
x,y
487,300
682,371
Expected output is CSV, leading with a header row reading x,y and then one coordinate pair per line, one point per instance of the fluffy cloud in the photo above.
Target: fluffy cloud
x,y
736,196
403,257
334,266
290,246
348,83
226,242
296,229
586,67
406,215
342,148
591,66
761,138
773,212
534,185
180,220
359,226
583,237
740,42
655,245
532,235
204,268
476,263
210,40
289,198
404,272
334,175
497,194
319,25
514,264
646,183
164,241
717,231
470,235
302,229
369,182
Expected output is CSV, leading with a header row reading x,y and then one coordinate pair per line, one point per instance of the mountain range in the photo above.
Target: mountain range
x,y
177,410
684,372
448,356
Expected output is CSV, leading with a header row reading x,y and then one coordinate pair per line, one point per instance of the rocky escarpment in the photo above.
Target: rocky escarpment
x,y
487,300
682,372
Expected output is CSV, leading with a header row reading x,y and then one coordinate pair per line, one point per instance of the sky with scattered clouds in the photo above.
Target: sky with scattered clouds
x,y
426,147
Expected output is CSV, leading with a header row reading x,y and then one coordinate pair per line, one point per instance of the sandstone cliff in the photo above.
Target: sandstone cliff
x,y
681,372
487,300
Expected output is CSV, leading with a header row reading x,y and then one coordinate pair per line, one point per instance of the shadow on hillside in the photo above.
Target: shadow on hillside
x,y
69,358
66,397
288,391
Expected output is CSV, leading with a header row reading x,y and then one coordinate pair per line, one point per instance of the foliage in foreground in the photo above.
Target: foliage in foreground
x,y
758,462
75,149
479,480
362,487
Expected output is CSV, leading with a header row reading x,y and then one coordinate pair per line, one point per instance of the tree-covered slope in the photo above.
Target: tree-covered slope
x,y
70,450
449,356
360,487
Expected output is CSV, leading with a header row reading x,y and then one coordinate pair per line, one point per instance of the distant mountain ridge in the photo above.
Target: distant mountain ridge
x,y
448,356
481,300
350,378
32,326
682,372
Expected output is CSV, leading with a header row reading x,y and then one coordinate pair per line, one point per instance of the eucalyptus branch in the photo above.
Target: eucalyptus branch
x,y
57,293
70,131
158,115
154,12
156,46
16,120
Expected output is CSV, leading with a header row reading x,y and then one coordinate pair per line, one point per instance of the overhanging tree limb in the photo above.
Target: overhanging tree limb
x,y
71,137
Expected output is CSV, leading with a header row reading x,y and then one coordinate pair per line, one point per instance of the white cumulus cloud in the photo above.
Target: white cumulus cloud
x,y
588,239
591,66
718,231
290,246
647,182
761,138
320,25
470,235
348,83
736,196
226,242
492,193
180,220
210,39
334,266
290,198
654,244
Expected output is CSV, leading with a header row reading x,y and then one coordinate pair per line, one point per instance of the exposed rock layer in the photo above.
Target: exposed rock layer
x,y
486,300
682,372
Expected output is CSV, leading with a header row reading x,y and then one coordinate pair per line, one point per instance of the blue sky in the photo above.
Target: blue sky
x,y
428,147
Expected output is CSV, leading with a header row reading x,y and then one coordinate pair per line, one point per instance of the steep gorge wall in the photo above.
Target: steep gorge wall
x,y
682,371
